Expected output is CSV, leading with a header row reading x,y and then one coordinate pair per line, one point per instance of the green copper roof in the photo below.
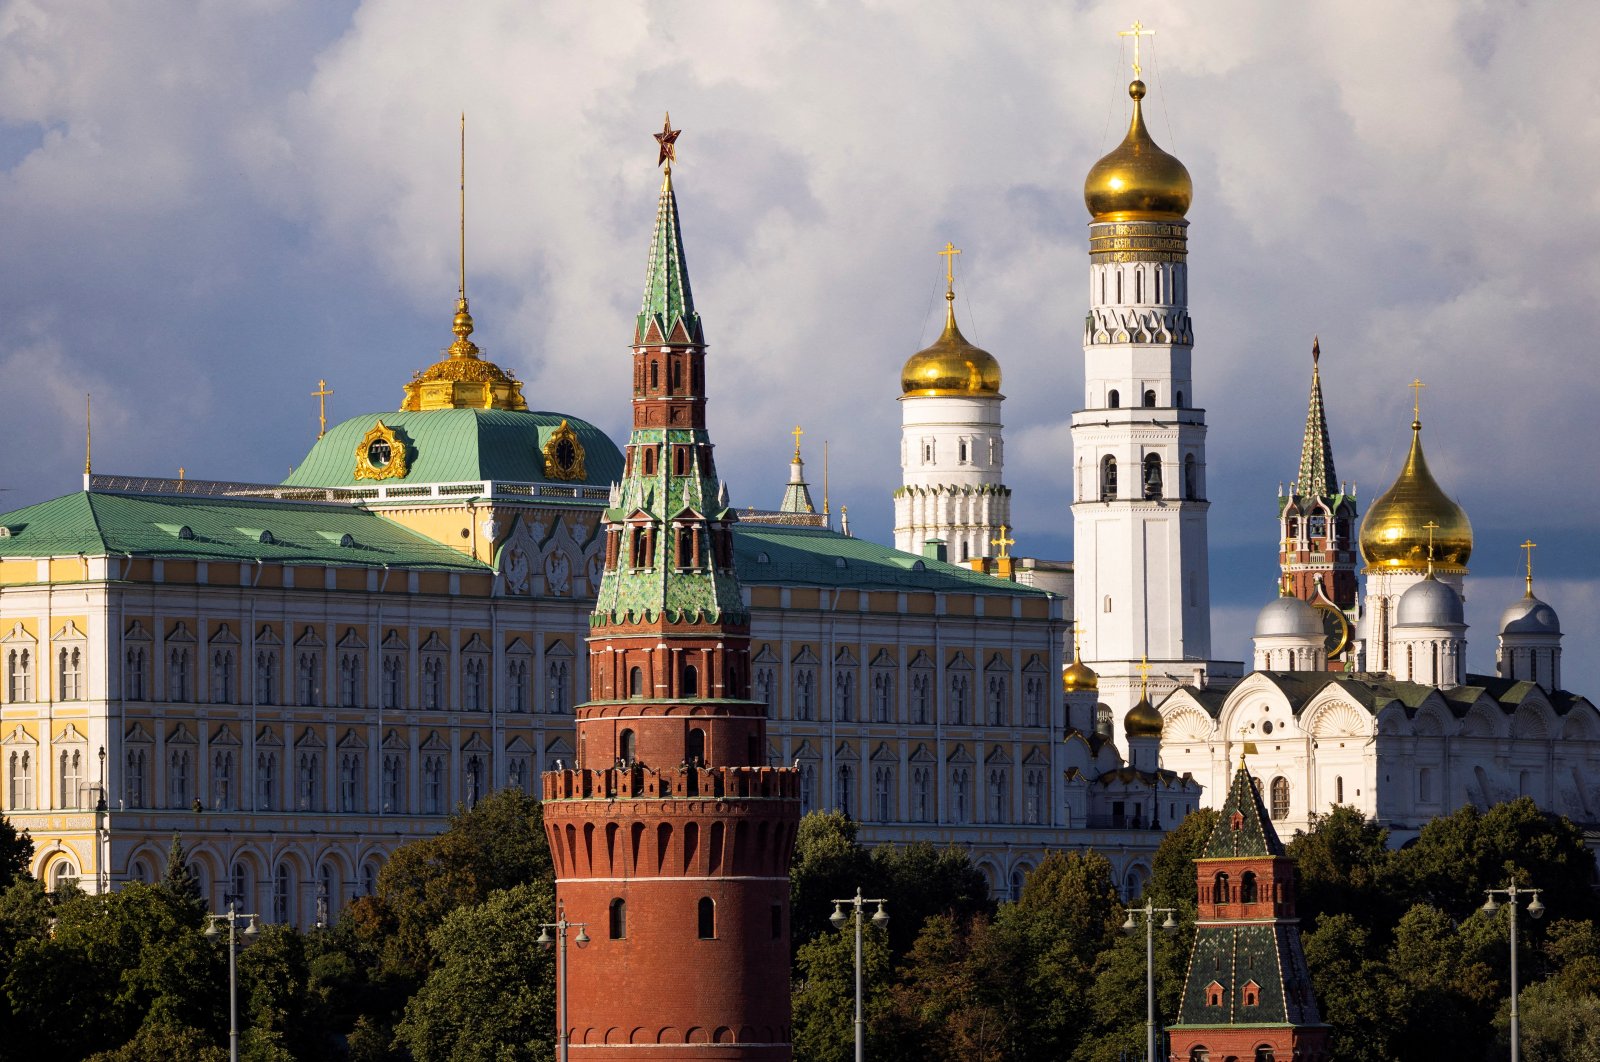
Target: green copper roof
x,y
775,554
97,524
1243,829
667,298
460,445
1317,477
797,493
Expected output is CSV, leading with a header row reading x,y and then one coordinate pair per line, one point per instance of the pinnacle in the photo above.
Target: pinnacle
x,y
668,301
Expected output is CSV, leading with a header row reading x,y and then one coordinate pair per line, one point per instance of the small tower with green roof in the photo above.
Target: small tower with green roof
x,y
1248,992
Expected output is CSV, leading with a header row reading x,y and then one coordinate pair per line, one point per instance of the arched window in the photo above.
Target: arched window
x,y
1247,887
843,789
69,674
708,918
1177,400
677,376
650,460
1152,475
619,919
680,460
1252,998
1108,478
1338,789
695,747
1158,283
655,375
282,886
1425,784
1113,399
626,746
62,874
1149,400
1107,605
1221,892
1191,479
1138,285
1200,1054
636,682
1265,1054
1280,798
691,681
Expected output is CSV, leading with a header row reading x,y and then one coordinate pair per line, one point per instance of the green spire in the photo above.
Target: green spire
x,y
668,302
1317,478
1244,829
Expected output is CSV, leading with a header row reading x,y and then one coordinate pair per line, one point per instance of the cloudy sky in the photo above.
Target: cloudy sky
x,y
207,207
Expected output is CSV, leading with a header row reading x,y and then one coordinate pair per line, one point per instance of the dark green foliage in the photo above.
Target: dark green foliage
x,y
828,864
1172,876
921,880
16,852
1343,867
824,994
179,881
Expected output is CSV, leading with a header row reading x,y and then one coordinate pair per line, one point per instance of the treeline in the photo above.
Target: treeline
x,y
443,962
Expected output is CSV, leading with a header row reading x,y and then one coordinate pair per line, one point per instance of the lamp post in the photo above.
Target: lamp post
x,y
546,941
233,918
1535,910
879,919
1149,911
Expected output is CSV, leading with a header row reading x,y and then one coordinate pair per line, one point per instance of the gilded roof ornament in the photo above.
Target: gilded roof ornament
x,y
951,366
1137,180
667,139
1395,535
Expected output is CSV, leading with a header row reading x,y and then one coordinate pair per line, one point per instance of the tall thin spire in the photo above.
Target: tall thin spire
x,y
1317,477
797,493
88,444
463,189
462,326
668,301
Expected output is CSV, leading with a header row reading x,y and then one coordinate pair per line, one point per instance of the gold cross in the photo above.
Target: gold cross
x,y
1430,527
1136,32
1003,541
798,431
1416,398
949,255
1528,547
1143,667
321,395
1077,629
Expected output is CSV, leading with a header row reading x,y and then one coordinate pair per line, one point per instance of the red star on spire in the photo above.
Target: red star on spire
x,y
667,138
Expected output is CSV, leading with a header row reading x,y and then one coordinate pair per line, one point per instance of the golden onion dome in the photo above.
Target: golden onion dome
x,y
1079,677
1142,720
951,366
1395,533
1137,180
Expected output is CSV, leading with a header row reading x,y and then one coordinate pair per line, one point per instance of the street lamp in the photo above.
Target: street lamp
x,y
546,941
1535,910
1149,910
880,919
233,918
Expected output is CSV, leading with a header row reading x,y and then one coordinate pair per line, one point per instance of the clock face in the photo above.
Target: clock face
x,y
378,453
566,455
1335,630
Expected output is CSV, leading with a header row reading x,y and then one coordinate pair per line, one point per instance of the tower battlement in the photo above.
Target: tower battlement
x,y
636,781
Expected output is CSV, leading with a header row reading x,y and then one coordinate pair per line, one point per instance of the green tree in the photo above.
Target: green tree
x,y
1455,974
491,998
1172,876
1572,951
157,1042
16,852
946,1006
1342,866
1360,996
1556,1025
824,995
828,864
920,880
179,880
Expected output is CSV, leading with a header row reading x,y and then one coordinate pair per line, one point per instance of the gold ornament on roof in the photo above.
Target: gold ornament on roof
x,y
1137,180
463,380
1395,535
1078,676
1142,720
563,455
951,366
381,454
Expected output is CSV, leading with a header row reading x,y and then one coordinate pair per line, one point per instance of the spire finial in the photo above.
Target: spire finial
x,y
88,438
1144,676
825,479
1077,629
462,326
1527,547
1416,403
1136,32
667,140
1005,541
463,189
798,431
321,394
1316,352
949,255
1430,527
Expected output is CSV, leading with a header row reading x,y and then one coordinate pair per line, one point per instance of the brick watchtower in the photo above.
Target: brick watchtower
x,y
1316,530
1248,993
671,836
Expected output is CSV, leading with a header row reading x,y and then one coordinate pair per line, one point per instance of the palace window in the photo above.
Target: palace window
x,y
350,680
960,795
517,774
222,786
394,680
393,784
69,673
133,778
178,672
350,781
1280,798
308,782
222,670
921,695
516,686
136,673
882,788
1033,799
921,794
999,807
844,691
995,698
432,785
266,676
474,780
20,777
1033,700
266,781
805,681
472,684
558,688
959,688
308,679
180,792
808,787
432,682
882,696
843,791
19,675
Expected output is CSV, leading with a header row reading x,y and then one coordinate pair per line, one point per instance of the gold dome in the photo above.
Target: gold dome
x,y
1142,720
1394,535
1137,180
952,366
1078,677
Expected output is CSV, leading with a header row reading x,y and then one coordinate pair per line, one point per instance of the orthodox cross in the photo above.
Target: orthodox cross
x,y
1003,541
1143,667
949,255
1136,32
1430,527
1077,629
1416,398
667,138
321,395
1528,547
798,431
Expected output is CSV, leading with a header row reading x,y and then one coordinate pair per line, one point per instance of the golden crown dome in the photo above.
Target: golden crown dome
x,y
1137,180
951,366
1395,535
1142,720
1078,677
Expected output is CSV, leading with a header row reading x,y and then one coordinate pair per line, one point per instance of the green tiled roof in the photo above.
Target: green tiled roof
x,y
775,554
1243,828
668,300
209,528
460,445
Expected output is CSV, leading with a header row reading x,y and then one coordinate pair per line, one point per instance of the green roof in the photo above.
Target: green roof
x,y
776,554
1243,828
164,526
459,446
668,301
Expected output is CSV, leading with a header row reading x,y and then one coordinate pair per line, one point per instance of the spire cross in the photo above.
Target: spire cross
x,y
798,431
1003,541
1416,399
667,139
1430,527
949,255
1143,667
1077,629
1136,32
88,443
321,394
1527,547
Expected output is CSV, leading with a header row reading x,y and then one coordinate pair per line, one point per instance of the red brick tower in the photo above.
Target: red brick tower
x,y
1248,994
1317,530
671,837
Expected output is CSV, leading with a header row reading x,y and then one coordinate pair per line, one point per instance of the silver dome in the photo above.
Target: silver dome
x,y
1430,603
1288,617
1530,616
